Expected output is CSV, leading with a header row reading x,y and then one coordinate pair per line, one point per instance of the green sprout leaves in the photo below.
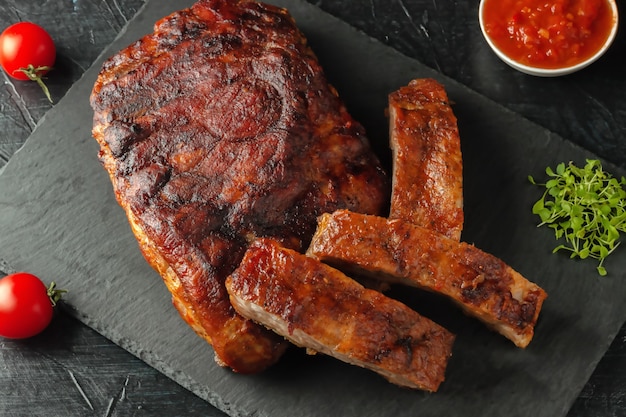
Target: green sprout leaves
x,y
586,208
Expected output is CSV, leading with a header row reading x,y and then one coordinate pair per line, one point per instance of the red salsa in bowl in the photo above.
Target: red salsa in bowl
x,y
548,34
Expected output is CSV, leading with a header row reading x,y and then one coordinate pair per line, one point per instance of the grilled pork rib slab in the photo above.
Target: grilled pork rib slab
x,y
402,252
427,186
319,308
217,128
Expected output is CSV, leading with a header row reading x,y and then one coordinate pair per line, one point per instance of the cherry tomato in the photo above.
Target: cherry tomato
x,y
26,305
27,52
23,44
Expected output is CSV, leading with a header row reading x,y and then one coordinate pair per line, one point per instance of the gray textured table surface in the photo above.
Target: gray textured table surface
x,y
71,370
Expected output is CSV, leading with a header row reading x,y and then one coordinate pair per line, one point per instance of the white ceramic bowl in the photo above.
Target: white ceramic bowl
x,y
543,72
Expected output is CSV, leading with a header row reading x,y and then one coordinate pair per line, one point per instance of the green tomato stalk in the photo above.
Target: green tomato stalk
x,y
35,74
54,294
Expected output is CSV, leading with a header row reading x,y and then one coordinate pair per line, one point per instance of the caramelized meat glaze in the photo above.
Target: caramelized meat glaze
x,y
218,128
427,162
317,307
398,251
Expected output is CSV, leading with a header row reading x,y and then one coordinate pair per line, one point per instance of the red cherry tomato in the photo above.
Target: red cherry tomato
x,y
26,305
27,52
26,44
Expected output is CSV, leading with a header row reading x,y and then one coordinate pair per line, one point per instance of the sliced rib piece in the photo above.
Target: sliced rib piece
x,y
215,129
402,252
427,186
319,308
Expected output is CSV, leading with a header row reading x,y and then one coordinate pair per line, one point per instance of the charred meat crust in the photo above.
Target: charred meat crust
x,y
427,187
484,286
318,307
217,128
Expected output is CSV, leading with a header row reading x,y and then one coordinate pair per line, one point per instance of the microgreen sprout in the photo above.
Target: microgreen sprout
x,y
586,208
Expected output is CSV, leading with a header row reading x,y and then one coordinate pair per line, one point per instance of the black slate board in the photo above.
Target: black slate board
x,y
60,220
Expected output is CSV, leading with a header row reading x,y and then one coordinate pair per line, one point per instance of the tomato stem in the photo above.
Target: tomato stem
x,y
55,294
33,72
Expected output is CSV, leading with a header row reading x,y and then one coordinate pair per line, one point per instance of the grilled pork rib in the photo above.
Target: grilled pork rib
x,y
319,308
402,252
427,186
218,128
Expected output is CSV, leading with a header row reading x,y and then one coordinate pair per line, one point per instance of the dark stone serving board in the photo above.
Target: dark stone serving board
x,y
59,219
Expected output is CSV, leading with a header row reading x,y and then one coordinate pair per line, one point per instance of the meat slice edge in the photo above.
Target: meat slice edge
x,y
427,177
397,251
319,308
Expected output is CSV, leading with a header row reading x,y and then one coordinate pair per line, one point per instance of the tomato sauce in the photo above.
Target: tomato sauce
x,y
548,33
